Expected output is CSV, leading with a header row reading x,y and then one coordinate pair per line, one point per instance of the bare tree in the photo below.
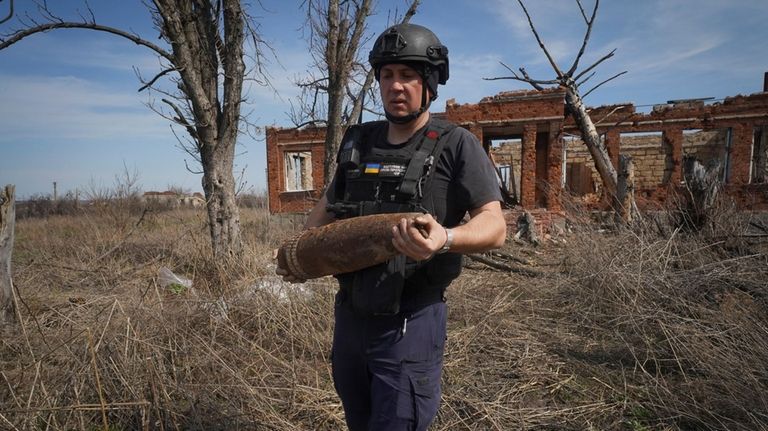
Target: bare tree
x,y
572,80
7,224
204,58
337,29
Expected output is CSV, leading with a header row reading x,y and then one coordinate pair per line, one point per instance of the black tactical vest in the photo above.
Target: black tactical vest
x,y
372,180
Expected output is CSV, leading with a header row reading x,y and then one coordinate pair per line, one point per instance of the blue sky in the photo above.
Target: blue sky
x,y
70,111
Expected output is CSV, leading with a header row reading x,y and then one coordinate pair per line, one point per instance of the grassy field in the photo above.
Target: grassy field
x,y
649,329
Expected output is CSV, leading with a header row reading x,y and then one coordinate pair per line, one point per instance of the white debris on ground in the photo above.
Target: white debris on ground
x,y
272,285
282,290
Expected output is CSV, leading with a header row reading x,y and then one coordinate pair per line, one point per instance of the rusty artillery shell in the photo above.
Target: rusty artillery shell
x,y
342,246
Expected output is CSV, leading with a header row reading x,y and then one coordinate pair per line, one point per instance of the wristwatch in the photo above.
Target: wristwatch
x,y
448,241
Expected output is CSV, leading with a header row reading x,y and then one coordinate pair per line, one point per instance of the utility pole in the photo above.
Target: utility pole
x,y
55,192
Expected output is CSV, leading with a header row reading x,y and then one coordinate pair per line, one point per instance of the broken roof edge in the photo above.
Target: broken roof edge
x,y
317,125
506,96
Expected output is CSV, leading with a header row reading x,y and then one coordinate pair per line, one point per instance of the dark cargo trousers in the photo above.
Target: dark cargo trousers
x,y
386,370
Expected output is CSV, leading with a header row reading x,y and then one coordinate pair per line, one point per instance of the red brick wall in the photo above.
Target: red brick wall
x,y
554,163
524,113
528,168
280,141
519,105
672,142
741,153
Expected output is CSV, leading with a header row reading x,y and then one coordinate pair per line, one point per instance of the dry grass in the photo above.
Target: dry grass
x,y
626,330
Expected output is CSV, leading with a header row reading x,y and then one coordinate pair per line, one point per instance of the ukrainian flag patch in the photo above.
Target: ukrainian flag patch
x,y
372,168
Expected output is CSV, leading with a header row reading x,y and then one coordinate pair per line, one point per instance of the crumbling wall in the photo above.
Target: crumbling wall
x,y
509,154
653,164
721,132
288,190
546,161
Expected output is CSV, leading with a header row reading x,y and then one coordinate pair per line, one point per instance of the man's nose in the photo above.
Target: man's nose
x,y
397,85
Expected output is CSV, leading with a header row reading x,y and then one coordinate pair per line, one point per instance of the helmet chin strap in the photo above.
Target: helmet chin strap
x,y
405,119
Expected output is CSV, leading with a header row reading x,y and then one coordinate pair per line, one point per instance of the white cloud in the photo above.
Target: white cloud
x,y
558,22
64,48
68,108
544,14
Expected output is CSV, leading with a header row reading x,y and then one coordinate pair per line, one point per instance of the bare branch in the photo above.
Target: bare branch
x,y
190,169
583,13
583,81
357,107
10,14
603,82
46,12
504,266
410,12
589,22
530,80
90,12
613,111
314,84
153,80
42,28
181,119
535,83
605,57
541,44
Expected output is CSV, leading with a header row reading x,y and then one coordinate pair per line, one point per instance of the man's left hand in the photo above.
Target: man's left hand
x,y
409,237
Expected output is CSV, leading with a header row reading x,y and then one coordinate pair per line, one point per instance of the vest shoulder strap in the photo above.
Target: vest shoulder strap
x,y
356,137
423,162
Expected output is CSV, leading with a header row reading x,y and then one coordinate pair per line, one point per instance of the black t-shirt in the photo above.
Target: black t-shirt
x,y
464,176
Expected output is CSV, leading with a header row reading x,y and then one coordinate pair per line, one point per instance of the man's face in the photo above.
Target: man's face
x,y
400,88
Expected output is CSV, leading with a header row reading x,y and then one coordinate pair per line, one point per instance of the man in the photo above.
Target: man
x,y
390,326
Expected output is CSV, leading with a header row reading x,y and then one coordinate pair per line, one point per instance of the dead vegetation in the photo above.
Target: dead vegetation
x,y
649,329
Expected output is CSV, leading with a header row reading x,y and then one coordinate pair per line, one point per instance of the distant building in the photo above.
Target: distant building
x,y
174,199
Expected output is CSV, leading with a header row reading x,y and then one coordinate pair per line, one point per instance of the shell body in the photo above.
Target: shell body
x,y
342,246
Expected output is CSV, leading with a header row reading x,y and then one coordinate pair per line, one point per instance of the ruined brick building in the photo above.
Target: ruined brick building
x,y
540,156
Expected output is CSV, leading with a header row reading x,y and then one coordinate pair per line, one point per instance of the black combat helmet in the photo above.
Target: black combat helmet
x,y
417,47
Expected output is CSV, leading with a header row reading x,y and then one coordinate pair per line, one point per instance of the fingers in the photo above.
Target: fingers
x,y
417,238
287,276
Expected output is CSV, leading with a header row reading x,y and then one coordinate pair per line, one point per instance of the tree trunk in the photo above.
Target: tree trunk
x,y
625,191
7,225
592,140
334,131
702,186
526,228
344,32
199,59
223,213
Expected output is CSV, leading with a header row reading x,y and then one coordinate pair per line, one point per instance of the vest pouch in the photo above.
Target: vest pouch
x,y
377,290
443,269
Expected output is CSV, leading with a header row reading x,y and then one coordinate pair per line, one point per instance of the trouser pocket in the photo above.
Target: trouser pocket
x,y
420,402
